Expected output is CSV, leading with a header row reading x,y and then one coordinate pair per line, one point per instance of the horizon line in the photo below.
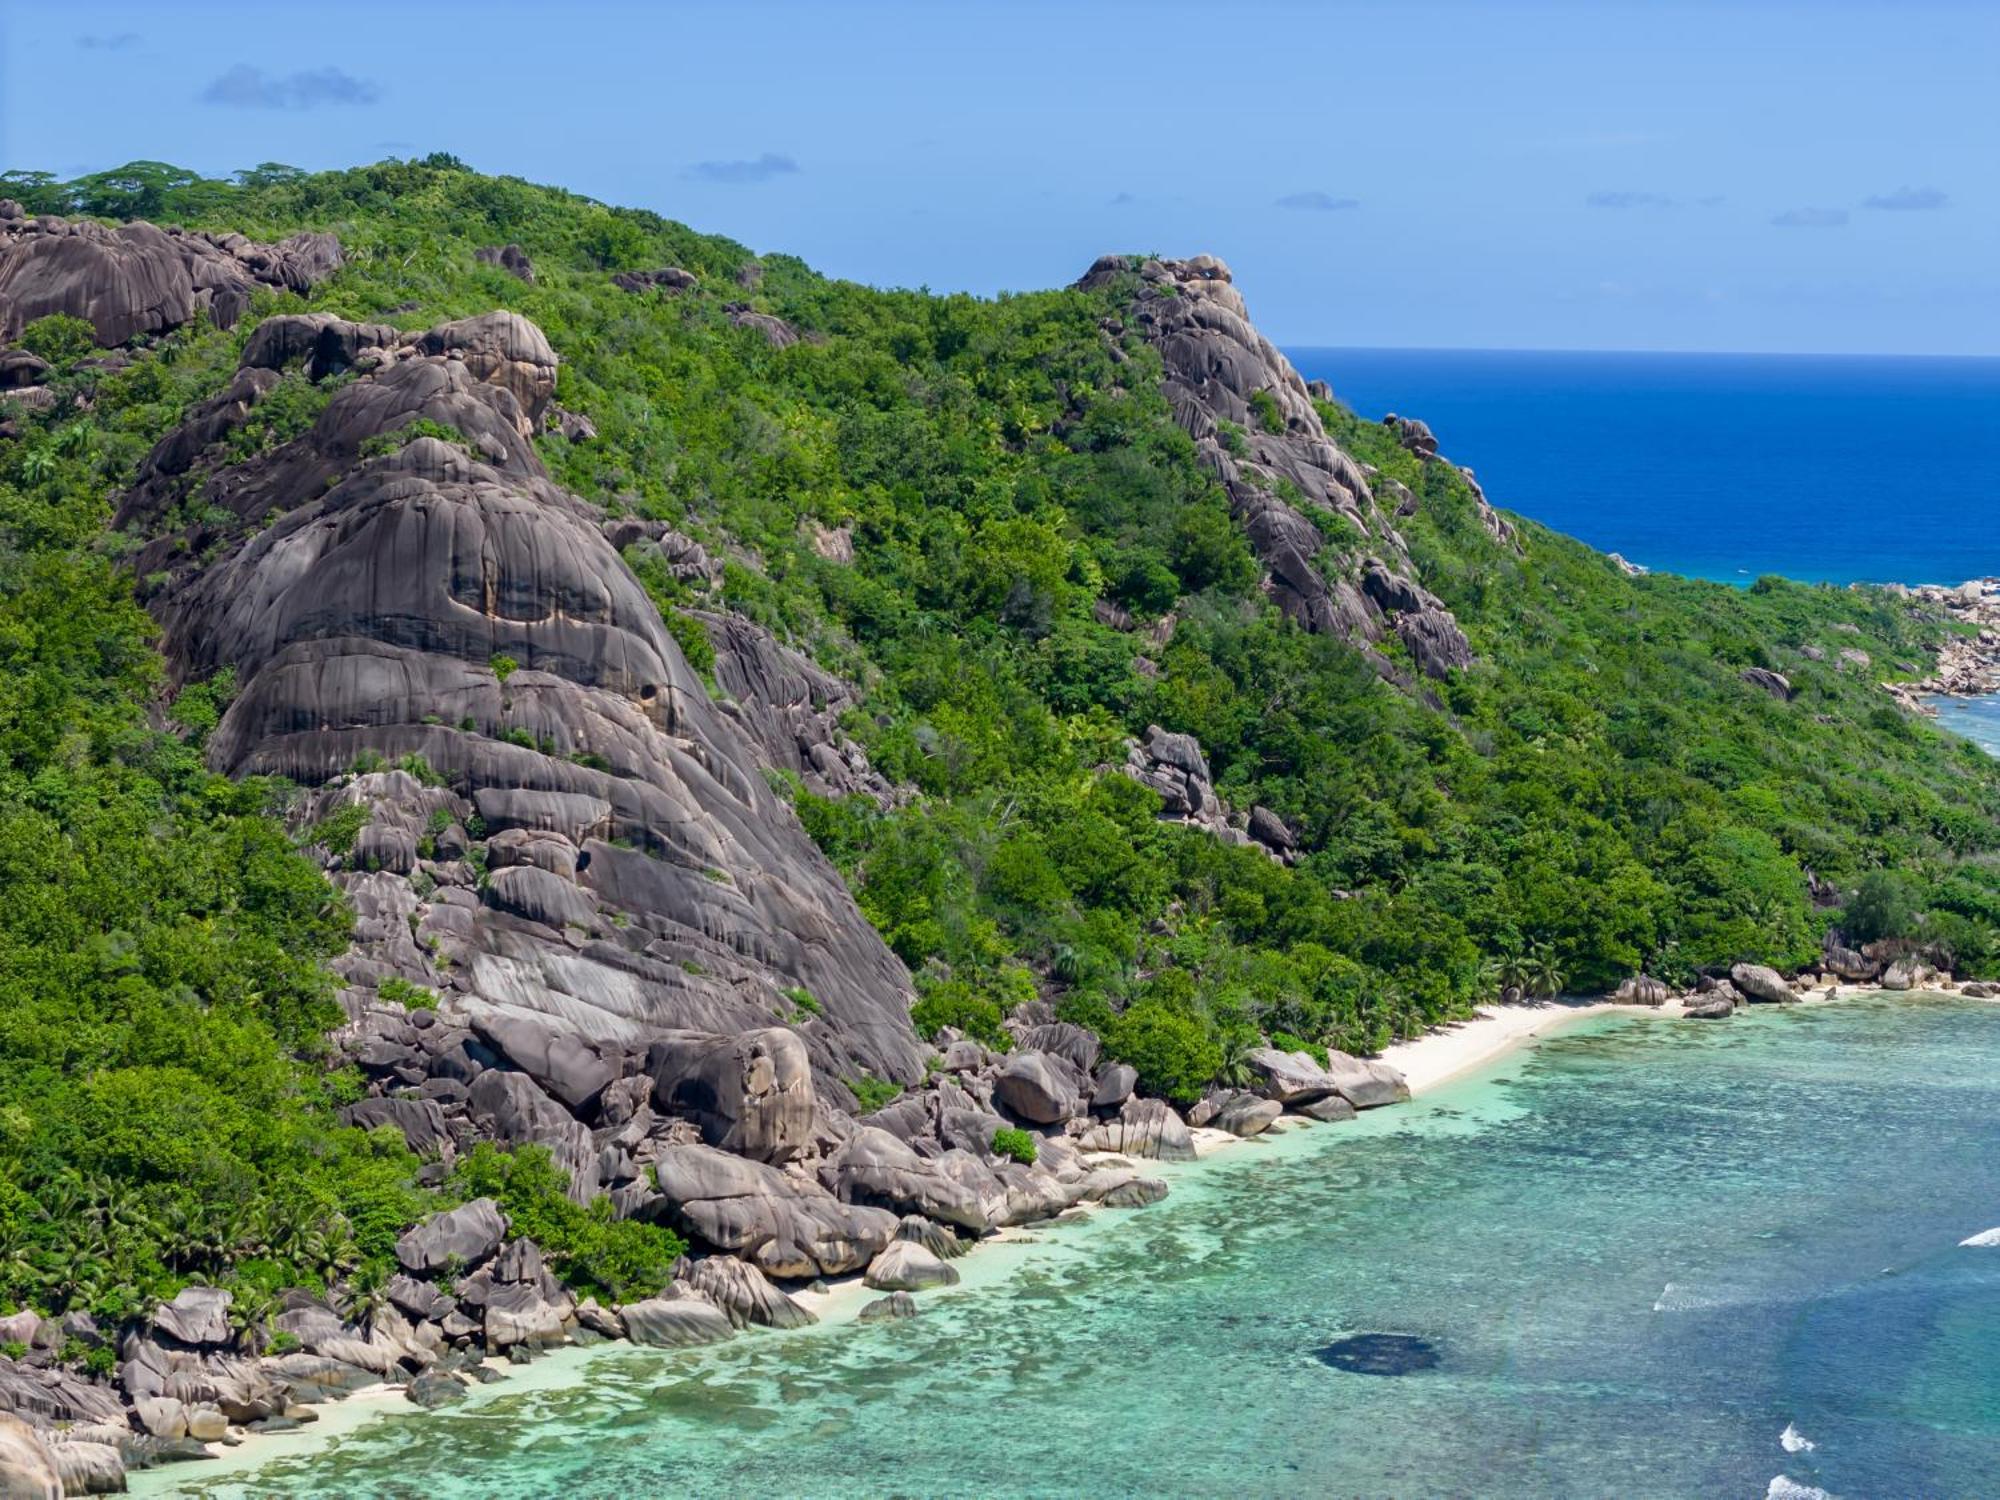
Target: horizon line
x,y
1287,344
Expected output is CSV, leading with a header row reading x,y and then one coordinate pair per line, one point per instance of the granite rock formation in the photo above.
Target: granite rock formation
x,y
1257,429
138,279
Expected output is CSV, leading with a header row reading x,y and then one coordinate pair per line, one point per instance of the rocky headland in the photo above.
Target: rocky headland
x,y
585,918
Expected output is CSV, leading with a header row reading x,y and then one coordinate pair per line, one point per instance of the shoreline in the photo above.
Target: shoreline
x,y
1443,1055
1446,1054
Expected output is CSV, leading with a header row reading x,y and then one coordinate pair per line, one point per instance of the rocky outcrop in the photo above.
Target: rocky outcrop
x,y
1765,680
790,707
751,1094
1258,431
905,1266
668,279
1298,1078
136,279
1173,766
448,604
466,1236
777,332
510,258
783,1225
1761,985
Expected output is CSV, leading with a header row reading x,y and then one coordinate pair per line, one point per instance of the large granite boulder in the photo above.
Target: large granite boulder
x,y
741,1291
784,1226
136,279
1296,1078
27,1467
675,1320
873,1167
751,1094
1041,1088
1144,1127
906,1266
1244,1114
464,1237
197,1315
1760,985
569,1069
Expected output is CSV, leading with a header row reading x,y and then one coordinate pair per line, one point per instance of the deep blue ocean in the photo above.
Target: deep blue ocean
x,y
1721,466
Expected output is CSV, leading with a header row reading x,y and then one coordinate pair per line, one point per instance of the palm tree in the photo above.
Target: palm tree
x,y
1544,980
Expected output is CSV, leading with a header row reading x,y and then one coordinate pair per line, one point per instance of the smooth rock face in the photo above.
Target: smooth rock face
x,y
751,1094
1760,985
1115,1083
872,1166
138,279
1244,1114
366,619
1040,1087
676,1322
1710,1007
740,1290
197,1315
27,1468
465,1236
906,1266
1145,1127
1296,1078
783,1226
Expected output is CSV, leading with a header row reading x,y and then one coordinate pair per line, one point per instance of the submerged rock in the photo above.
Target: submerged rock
x,y
895,1305
1379,1354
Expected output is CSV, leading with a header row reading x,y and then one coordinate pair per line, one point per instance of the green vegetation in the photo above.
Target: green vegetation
x,y
399,438
616,1259
394,991
871,1094
1016,1145
805,1000
1600,793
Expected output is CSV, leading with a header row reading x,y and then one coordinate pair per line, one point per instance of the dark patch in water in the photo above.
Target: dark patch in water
x,y
1379,1354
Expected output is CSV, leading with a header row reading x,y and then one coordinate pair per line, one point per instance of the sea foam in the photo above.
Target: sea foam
x,y
1782,1488
1794,1441
1984,1239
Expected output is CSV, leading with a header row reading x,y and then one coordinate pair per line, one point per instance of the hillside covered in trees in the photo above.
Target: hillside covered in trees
x,y
1116,693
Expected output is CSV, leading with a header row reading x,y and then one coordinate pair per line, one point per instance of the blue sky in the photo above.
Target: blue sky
x,y
1775,176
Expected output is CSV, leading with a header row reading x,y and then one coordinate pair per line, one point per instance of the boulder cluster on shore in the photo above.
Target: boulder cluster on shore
x,y
894,1196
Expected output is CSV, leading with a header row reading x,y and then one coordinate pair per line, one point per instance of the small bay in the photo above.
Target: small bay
x,y
1640,1251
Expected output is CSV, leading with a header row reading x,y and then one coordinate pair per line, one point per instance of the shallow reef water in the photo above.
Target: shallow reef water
x,y
1646,1258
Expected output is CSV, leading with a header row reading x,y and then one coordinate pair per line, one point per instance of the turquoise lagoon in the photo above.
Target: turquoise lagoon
x,y
1641,1251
